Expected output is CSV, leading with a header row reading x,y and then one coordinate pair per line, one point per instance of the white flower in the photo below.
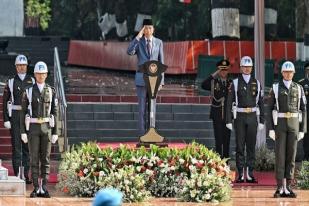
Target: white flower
x,y
172,168
199,183
101,174
150,164
138,168
194,161
181,161
193,193
100,159
85,171
201,161
149,172
207,196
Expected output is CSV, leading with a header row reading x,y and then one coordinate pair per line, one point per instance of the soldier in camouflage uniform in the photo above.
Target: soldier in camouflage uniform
x,y
287,102
39,112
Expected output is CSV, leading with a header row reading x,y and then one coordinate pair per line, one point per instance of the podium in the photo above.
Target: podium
x,y
152,76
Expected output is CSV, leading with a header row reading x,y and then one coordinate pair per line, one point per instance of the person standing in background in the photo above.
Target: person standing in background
x,y
218,84
12,96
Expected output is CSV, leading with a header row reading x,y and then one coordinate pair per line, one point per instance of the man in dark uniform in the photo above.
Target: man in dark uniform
x,y
287,102
39,110
12,96
245,104
218,84
305,83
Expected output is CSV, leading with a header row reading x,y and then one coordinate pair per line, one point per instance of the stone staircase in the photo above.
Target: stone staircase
x,y
117,122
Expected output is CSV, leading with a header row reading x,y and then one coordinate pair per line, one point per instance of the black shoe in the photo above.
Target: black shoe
x,y
278,194
240,179
251,180
35,193
44,193
292,194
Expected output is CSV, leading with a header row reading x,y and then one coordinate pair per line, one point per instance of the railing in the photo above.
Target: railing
x,y
58,84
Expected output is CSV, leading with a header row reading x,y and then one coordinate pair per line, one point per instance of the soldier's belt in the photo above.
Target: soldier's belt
x,y
16,107
287,115
39,120
246,109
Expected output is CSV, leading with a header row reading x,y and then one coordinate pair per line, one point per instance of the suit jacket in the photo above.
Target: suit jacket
x,y
138,47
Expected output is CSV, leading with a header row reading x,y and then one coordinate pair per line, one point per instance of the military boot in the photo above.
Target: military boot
x,y
241,178
250,178
289,192
279,191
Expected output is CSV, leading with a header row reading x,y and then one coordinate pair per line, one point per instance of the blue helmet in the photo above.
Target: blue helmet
x,y
108,197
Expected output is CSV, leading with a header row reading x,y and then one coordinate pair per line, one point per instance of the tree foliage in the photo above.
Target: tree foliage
x,y
39,9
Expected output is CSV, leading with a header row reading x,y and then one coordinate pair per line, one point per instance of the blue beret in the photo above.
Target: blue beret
x,y
108,197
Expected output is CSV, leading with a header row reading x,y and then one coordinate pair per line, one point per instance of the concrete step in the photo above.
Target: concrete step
x,y
125,107
129,124
12,187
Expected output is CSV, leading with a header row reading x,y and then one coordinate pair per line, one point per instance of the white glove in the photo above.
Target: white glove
x,y
260,126
54,138
7,124
24,138
301,135
272,134
229,126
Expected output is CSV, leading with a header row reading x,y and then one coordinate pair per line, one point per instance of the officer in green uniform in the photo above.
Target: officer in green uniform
x,y
245,105
218,84
39,110
305,83
287,102
12,96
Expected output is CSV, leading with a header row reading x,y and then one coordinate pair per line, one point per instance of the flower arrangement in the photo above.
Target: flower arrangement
x,y
137,173
303,176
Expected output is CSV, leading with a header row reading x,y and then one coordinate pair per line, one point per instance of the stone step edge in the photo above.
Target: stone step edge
x,y
71,98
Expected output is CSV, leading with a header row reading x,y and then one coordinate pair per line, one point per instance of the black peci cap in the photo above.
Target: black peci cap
x,y
223,64
147,22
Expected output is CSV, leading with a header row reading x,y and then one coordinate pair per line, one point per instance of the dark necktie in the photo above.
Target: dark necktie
x,y
148,47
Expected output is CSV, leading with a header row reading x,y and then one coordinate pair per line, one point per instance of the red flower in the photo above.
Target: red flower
x,y
80,174
199,165
65,190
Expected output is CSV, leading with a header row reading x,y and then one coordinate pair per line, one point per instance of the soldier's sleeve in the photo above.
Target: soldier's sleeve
x,y
303,102
54,110
229,103
206,84
271,101
6,98
261,106
23,112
